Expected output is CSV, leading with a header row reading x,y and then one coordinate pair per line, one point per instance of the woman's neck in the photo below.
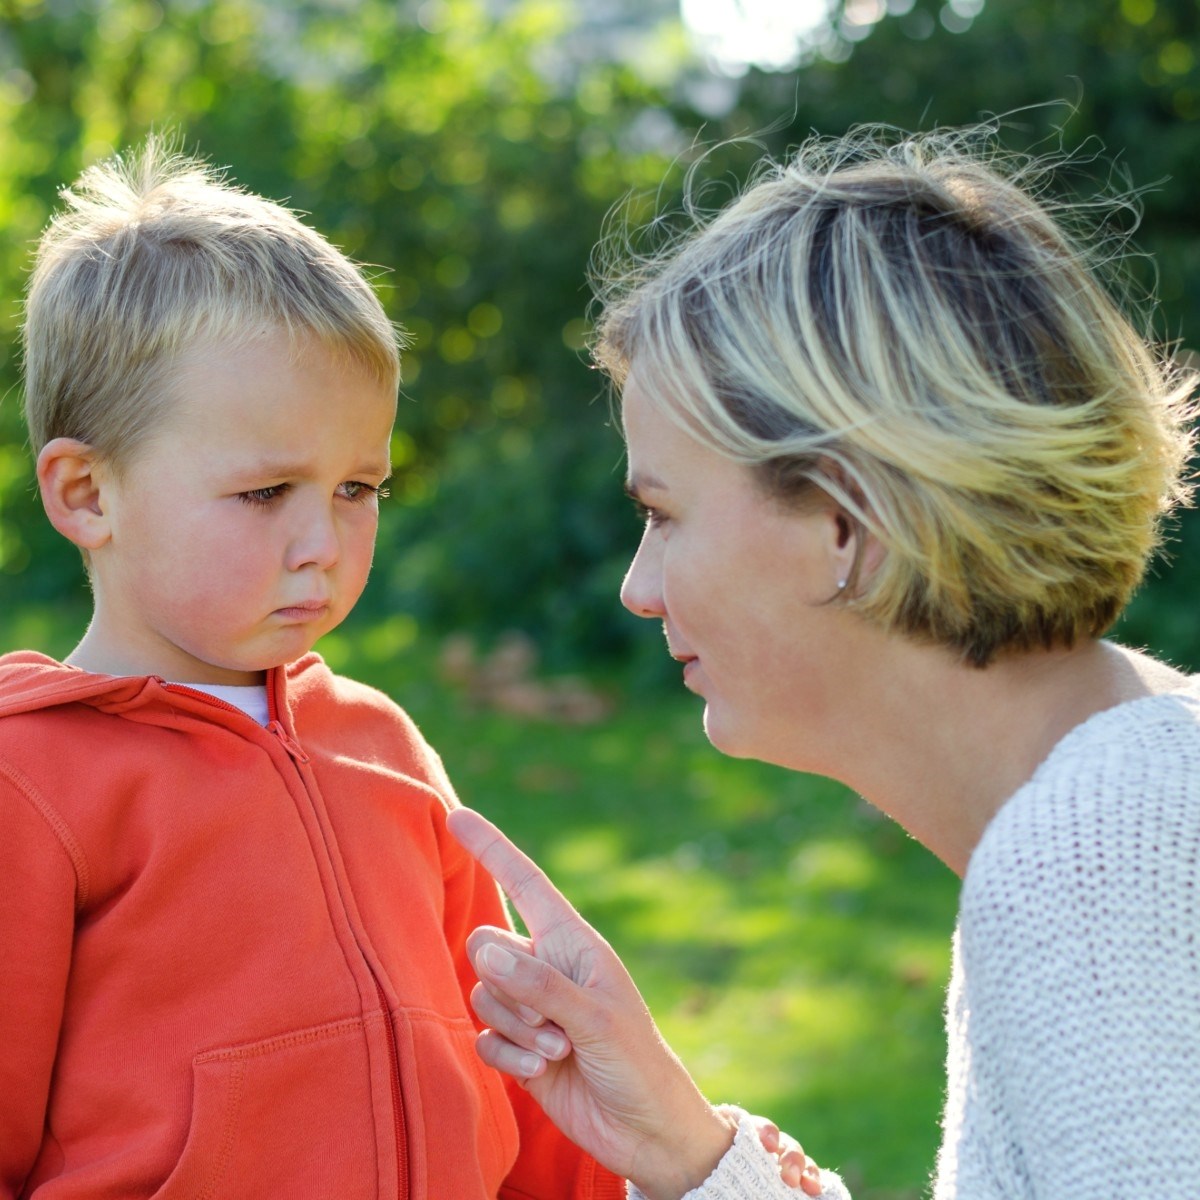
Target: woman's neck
x,y
942,751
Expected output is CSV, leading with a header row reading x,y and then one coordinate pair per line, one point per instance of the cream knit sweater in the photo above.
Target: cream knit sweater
x,y
1073,1013
1074,1006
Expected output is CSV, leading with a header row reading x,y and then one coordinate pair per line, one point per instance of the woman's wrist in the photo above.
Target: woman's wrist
x,y
675,1164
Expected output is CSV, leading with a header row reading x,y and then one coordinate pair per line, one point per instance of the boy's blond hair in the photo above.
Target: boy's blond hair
x,y
896,322
154,252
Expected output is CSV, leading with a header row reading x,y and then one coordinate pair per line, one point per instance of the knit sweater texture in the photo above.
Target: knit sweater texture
x,y
234,956
1073,1012
1074,1005
748,1172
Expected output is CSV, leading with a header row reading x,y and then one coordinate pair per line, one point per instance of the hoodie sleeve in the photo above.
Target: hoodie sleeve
x,y
40,881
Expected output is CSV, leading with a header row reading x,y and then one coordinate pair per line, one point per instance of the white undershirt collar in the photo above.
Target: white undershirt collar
x,y
251,698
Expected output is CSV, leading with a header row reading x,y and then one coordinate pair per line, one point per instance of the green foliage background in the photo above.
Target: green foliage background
x,y
473,157
795,945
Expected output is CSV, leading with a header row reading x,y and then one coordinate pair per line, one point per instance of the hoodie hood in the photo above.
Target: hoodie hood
x,y
30,681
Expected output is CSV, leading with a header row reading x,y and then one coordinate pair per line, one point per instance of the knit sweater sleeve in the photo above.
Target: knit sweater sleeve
x,y
1075,1033
748,1172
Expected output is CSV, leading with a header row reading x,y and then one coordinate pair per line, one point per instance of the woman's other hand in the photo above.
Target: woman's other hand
x,y
796,1169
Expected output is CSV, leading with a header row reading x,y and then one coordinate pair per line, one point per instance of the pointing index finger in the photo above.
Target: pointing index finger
x,y
539,902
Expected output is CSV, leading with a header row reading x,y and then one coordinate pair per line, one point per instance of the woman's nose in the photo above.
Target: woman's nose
x,y
641,592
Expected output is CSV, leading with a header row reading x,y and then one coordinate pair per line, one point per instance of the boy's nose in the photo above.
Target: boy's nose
x,y
315,544
641,592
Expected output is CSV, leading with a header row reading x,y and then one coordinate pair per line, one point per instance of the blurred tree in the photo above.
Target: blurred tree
x,y
1119,79
473,158
472,148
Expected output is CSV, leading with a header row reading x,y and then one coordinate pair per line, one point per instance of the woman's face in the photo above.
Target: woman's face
x,y
741,585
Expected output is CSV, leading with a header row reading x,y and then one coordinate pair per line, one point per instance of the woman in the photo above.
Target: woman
x,y
903,462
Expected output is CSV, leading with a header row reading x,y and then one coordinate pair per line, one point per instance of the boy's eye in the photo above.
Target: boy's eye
x,y
353,489
261,497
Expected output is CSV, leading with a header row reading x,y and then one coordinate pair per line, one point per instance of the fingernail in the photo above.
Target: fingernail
x,y
497,960
550,1044
530,1064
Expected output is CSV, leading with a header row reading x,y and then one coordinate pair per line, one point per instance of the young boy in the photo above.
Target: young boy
x,y
231,919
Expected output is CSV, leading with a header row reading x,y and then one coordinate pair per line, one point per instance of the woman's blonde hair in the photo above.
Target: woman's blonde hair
x,y
898,321
153,252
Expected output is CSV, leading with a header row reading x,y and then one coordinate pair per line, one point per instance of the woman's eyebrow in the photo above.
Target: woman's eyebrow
x,y
636,484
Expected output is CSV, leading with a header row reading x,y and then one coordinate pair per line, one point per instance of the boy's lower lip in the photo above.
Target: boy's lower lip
x,y
302,612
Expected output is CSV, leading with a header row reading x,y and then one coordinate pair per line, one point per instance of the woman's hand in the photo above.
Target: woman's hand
x,y
565,1017
796,1169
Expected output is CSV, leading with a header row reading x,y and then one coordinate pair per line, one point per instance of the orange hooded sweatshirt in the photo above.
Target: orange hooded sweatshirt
x,y
232,957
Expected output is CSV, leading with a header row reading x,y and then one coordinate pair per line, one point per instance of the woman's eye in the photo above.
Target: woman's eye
x,y
261,497
647,515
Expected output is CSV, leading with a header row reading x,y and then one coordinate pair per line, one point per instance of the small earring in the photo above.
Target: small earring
x,y
841,584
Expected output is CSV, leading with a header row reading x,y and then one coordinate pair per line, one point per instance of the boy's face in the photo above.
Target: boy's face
x,y
244,527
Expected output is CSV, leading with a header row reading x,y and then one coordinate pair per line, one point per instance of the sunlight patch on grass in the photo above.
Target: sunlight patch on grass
x,y
588,852
725,795
382,643
611,747
388,638
834,865
759,1046
337,650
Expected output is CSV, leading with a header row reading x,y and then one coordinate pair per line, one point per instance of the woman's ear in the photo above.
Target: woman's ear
x,y
70,477
843,543
856,552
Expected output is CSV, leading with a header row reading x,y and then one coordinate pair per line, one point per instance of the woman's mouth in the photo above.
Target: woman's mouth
x,y
690,665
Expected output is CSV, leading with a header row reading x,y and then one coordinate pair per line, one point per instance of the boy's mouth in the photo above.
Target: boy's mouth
x,y
306,610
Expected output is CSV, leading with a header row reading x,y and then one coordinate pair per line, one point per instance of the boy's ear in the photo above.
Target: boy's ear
x,y
69,475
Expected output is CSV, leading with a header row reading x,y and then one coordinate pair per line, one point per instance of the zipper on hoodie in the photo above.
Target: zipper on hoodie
x,y
397,1096
297,754
274,726
289,743
200,694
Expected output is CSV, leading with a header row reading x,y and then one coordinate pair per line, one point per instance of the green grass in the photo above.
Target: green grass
x,y
792,943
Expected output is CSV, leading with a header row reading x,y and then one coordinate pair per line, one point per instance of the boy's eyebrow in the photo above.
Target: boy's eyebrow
x,y
279,468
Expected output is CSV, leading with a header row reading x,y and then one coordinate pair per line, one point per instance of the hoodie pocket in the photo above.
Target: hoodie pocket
x,y
290,1116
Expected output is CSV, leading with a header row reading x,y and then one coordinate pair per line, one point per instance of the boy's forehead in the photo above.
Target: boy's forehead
x,y
264,346
262,363
272,405
286,466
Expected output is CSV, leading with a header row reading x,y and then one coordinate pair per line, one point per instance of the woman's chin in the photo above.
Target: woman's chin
x,y
724,734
